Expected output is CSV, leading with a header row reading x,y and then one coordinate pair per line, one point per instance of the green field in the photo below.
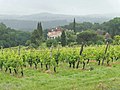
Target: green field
x,y
100,78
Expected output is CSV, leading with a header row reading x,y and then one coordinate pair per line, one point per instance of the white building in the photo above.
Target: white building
x,y
54,33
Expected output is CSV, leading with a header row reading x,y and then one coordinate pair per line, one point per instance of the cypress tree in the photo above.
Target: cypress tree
x,y
34,37
63,38
74,25
39,28
37,35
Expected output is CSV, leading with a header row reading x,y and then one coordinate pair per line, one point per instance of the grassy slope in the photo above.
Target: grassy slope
x,y
101,78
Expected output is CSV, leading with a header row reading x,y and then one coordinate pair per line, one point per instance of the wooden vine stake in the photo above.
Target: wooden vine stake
x,y
81,50
105,53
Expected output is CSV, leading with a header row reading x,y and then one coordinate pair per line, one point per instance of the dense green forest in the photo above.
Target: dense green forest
x,y
10,37
74,33
91,33
112,26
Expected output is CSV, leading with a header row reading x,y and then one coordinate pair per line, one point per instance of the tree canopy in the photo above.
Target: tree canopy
x,y
37,35
88,37
112,26
10,37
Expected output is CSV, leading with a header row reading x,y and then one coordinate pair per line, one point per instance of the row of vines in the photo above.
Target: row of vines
x,y
15,60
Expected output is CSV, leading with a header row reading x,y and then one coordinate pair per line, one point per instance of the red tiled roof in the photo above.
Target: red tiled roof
x,y
55,33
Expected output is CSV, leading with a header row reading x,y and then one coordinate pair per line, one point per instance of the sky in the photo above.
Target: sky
x,y
68,7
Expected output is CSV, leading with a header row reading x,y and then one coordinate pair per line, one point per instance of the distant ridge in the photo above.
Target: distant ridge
x,y
49,20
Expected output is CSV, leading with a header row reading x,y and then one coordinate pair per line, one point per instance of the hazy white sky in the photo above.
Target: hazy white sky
x,y
73,7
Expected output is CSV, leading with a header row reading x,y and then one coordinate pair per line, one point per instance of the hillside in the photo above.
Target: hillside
x,y
28,22
11,37
25,25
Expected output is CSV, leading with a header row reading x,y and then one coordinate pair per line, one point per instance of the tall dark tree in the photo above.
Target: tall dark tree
x,y
34,37
74,25
40,31
63,38
37,35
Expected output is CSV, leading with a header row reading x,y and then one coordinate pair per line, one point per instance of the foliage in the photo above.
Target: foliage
x,y
74,25
70,36
63,38
14,61
79,26
37,35
116,40
112,26
109,40
88,37
10,37
51,42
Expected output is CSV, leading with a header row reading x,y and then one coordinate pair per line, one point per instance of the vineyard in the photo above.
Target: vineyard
x,y
16,61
